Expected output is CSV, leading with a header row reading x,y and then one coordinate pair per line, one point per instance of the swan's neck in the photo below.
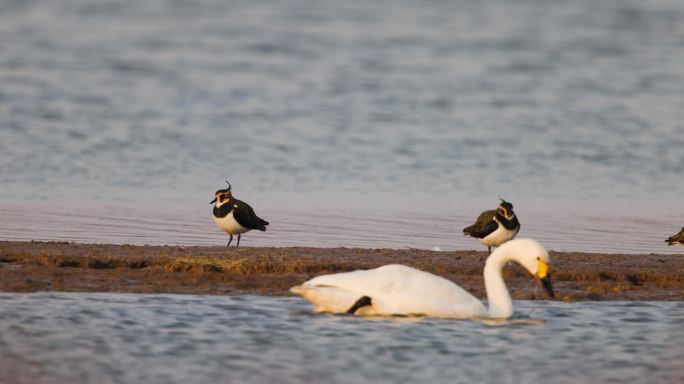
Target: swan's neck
x,y
500,304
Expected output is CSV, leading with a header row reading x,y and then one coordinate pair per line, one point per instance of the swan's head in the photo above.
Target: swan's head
x,y
533,257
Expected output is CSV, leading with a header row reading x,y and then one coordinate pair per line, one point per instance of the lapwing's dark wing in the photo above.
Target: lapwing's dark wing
x,y
484,225
678,238
245,216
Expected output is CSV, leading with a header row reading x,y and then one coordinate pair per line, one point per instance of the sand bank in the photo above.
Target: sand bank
x,y
59,266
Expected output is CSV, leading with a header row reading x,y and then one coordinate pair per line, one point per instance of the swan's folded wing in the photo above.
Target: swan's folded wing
x,y
362,281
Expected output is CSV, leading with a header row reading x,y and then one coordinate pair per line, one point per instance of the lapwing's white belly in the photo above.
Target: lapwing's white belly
x,y
498,237
228,224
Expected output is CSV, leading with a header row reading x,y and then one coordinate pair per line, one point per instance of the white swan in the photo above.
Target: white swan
x,y
401,290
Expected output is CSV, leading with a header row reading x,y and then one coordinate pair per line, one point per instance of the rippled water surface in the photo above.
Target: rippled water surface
x,y
418,114
108,338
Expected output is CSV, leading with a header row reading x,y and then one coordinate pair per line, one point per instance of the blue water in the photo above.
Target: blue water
x,y
363,110
117,338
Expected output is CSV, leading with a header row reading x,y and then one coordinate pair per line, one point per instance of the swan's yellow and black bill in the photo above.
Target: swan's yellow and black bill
x,y
546,283
542,268
545,277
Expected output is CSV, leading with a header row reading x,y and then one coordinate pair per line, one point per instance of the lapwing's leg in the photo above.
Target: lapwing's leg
x,y
489,249
229,241
238,243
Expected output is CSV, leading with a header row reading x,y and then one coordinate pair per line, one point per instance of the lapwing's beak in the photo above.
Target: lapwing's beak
x,y
213,201
545,277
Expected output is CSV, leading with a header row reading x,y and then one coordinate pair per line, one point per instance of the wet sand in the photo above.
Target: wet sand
x,y
73,267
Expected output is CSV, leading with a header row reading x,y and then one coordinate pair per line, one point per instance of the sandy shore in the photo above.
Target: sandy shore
x,y
58,266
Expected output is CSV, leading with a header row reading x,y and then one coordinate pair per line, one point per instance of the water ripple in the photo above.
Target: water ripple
x,y
114,98
56,338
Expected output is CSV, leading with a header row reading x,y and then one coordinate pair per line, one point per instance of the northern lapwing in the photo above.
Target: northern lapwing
x,y
495,227
233,216
676,239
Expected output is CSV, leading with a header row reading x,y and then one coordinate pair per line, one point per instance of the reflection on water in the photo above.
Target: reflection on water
x,y
170,224
107,338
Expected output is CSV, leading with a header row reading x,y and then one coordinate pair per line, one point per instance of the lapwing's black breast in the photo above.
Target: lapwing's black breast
x,y
511,225
223,210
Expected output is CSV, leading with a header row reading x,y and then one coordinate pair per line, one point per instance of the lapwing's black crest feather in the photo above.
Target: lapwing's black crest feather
x,y
245,216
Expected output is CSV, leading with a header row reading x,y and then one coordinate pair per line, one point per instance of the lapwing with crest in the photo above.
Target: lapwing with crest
x,y
676,239
233,216
496,226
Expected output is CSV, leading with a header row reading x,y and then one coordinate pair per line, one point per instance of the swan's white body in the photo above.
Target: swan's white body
x,y
402,290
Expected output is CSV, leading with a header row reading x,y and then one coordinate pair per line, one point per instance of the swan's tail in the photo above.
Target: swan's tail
x,y
327,299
